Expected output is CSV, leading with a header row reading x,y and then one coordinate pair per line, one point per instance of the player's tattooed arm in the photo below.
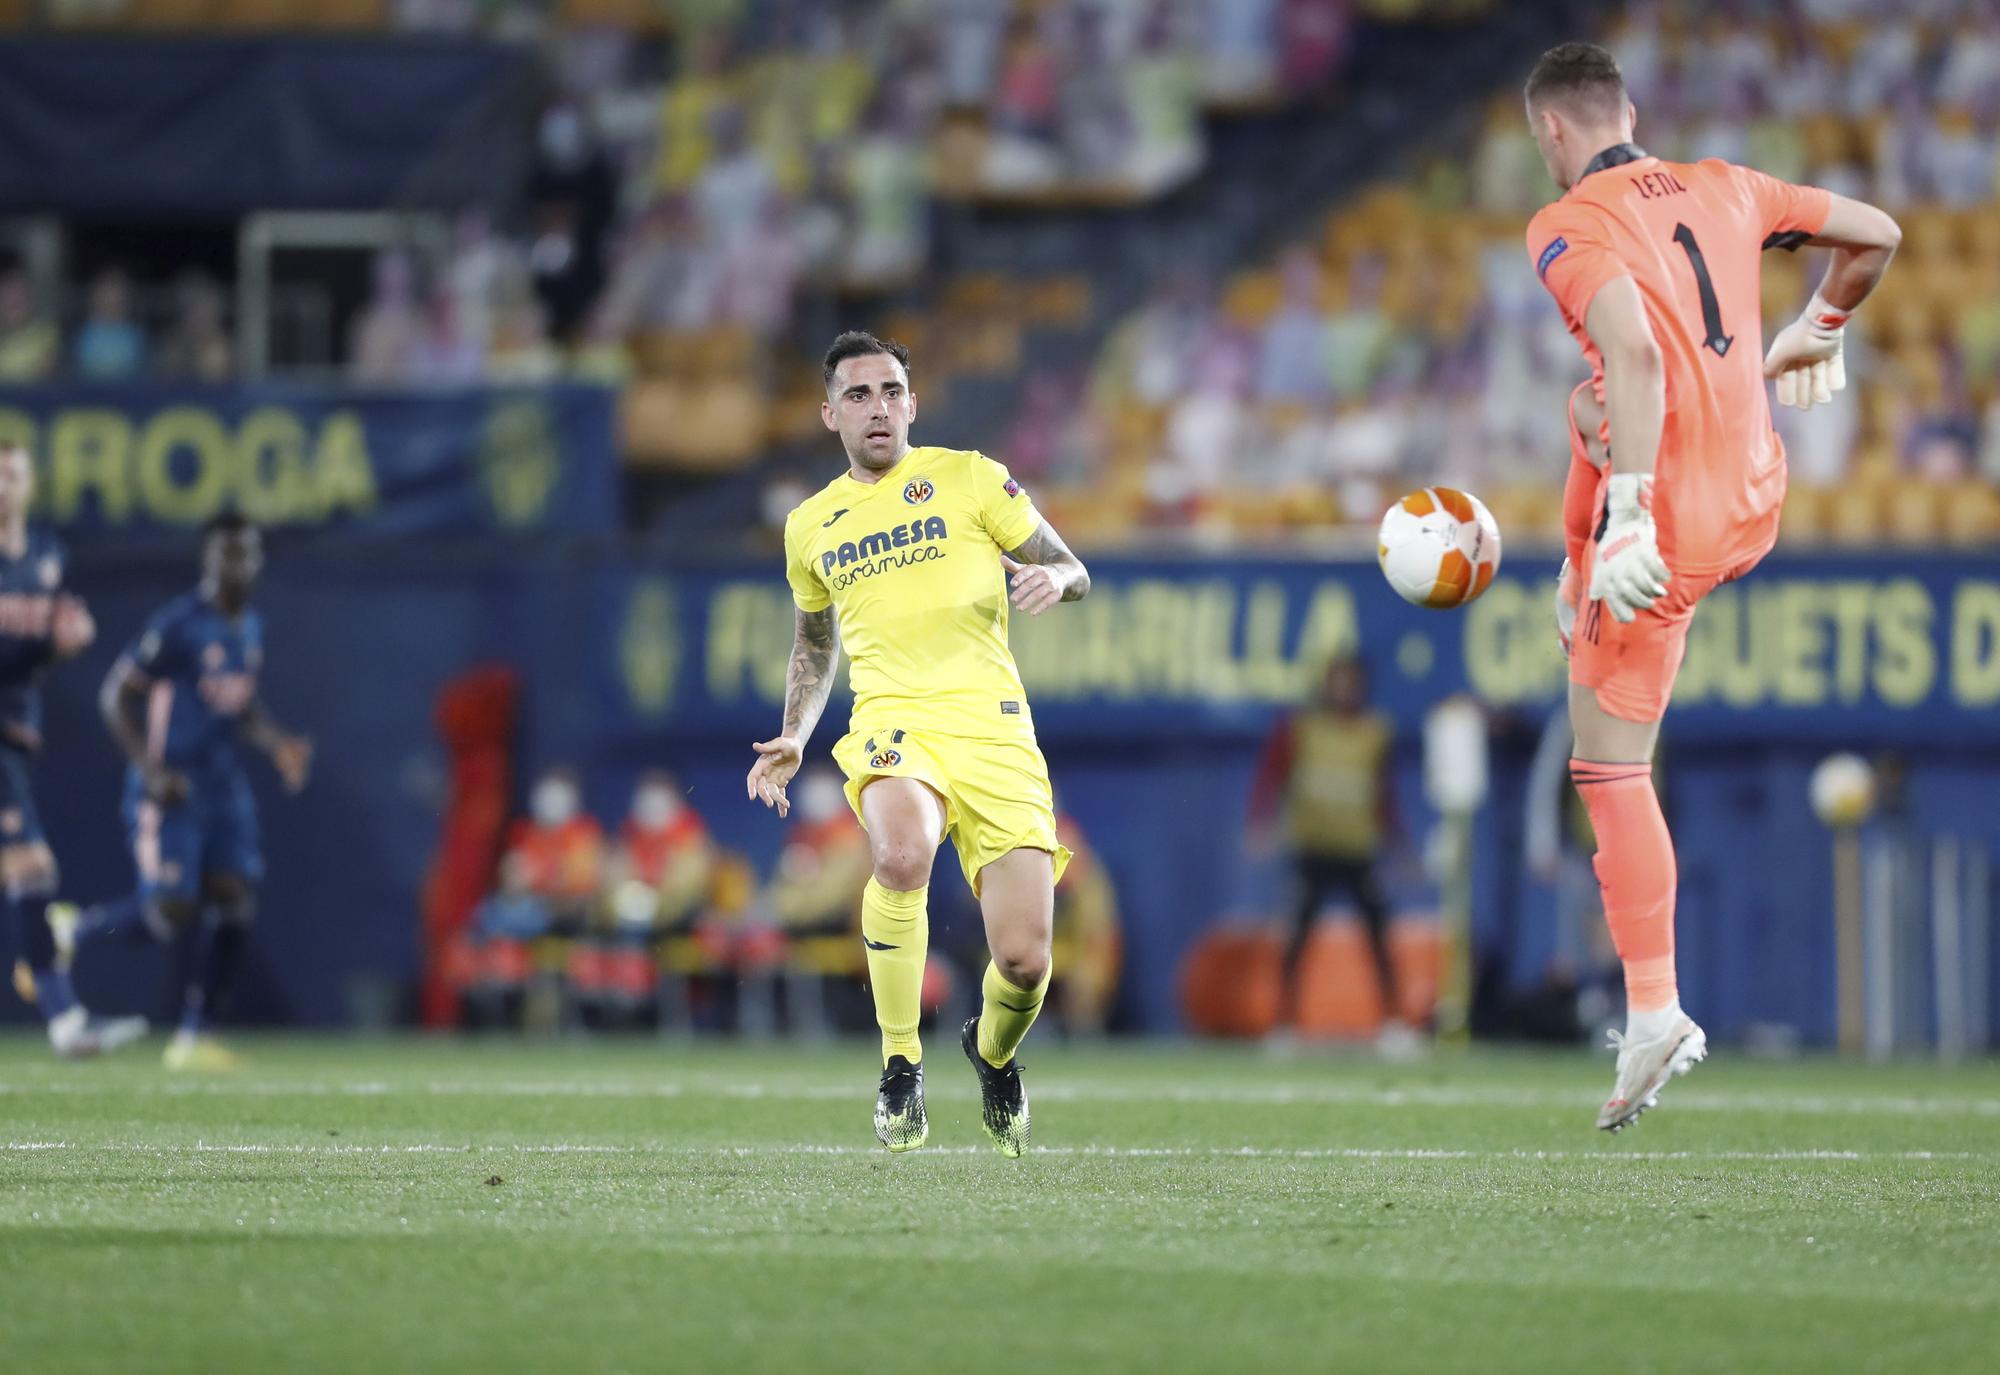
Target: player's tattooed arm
x,y
122,704
809,679
808,682
1043,571
290,753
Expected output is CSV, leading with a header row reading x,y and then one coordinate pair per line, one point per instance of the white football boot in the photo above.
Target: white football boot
x,y
77,1035
1646,1062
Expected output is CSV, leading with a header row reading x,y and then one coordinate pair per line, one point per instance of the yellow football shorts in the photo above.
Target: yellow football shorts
x,y
996,792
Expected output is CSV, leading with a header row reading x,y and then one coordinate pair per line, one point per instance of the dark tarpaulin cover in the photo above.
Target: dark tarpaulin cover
x,y
206,127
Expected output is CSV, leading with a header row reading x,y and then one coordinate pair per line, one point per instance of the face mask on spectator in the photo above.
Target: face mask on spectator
x,y
554,801
820,798
654,807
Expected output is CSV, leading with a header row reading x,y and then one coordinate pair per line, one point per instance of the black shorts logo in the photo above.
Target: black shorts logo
x,y
1593,621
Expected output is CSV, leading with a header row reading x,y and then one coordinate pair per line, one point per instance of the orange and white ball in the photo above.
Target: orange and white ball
x,y
1438,547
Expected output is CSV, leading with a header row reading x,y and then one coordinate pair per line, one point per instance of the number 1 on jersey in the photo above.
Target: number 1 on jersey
x,y
1711,309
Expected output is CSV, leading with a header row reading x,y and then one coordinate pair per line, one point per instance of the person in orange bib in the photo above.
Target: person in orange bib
x,y
1655,266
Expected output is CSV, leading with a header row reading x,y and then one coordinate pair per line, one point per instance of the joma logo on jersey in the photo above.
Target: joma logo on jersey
x,y
917,491
881,542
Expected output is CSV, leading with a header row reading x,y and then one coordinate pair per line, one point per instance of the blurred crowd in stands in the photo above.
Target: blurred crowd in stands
x,y
699,166
718,183
110,341
1407,342
655,925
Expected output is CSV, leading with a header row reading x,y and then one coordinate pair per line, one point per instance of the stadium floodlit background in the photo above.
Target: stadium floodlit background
x,y
504,317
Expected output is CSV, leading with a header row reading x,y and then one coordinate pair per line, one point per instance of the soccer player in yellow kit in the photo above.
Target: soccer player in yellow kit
x,y
911,557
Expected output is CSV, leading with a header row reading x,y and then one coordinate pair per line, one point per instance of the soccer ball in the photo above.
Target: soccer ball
x,y
1438,547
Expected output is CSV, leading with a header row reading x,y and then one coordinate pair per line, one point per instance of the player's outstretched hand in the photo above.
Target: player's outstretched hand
x,y
72,627
1629,575
777,761
1805,359
292,756
1036,587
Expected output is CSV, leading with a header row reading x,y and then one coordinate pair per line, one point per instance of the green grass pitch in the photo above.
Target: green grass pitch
x,y
352,1205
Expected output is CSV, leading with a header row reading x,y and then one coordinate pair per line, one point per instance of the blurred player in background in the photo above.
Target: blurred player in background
x,y
1325,770
813,894
40,624
1655,266
179,701
914,549
1089,948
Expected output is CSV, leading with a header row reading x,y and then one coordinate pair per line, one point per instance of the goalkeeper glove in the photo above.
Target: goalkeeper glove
x,y
1629,574
1566,606
1805,357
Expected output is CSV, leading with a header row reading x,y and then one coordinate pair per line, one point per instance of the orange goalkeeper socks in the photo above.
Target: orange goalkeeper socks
x,y
1635,870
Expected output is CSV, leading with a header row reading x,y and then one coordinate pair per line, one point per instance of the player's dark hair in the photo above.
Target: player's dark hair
x,y
1349,659
1578,74
859,343
226,523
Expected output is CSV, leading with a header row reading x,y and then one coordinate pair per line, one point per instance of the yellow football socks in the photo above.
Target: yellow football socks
x,y
1006,1015
896,930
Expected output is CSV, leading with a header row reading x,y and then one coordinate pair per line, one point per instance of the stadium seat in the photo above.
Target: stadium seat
x,y
712,426
1854,515
958,153
1062,302
1338,994
1230,982
149,14
1928,234
1251,298
1805,514
641,16
279,15
793,415
1969,514
1913,513
1826,139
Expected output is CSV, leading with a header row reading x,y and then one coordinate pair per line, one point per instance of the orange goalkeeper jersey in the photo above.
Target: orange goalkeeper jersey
x,y
1690,236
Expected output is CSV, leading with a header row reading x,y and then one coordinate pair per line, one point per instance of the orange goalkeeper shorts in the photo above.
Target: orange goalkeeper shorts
x,y
1631,665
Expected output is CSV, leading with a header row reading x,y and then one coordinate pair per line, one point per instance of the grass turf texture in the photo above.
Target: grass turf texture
x,y
351,1205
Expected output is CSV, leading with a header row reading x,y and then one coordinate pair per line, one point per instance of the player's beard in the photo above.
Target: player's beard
x,y
863,455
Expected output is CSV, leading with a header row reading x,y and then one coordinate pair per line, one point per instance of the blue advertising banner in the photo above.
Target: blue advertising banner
x,y
1884,649
130,460
1152,697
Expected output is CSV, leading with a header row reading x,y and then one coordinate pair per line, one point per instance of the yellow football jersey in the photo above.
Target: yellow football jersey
x,y
910,564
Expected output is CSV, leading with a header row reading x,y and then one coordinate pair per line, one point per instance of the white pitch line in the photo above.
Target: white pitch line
x,y
1276,1095
1090,1151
